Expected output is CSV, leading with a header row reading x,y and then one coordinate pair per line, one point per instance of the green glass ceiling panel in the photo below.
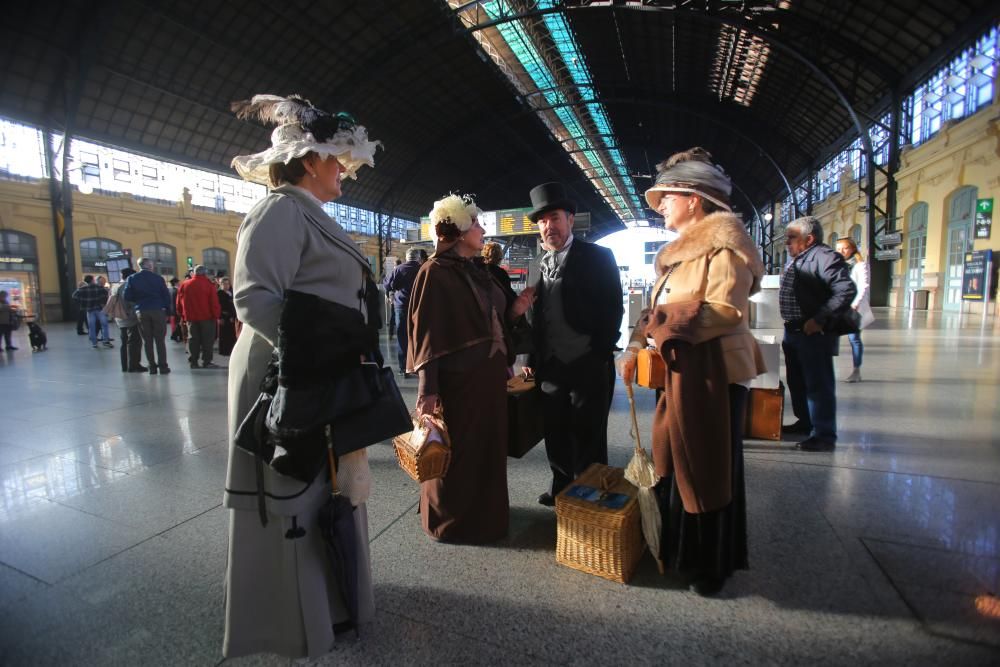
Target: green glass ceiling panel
x,y
541,76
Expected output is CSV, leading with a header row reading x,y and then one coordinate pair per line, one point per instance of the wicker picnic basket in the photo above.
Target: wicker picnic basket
x,y
420,456
595,539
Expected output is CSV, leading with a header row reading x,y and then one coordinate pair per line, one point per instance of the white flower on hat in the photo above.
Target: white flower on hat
x,y
459,210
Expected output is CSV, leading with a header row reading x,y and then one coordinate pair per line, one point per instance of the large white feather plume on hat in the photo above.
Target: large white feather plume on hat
x,y
302,128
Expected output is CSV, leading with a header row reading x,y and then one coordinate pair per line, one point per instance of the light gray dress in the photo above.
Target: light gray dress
x,y
279,595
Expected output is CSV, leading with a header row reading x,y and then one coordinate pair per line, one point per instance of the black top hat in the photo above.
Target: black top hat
x,y
547,197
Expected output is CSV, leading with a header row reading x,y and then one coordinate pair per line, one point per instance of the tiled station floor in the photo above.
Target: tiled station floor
x,y
113,540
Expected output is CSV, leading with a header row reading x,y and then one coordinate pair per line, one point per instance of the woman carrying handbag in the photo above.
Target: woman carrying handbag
x,y
281,596
699,322
861,275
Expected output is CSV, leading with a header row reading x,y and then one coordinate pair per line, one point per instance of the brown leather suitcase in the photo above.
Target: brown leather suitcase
x,y
650,370
525,427
764,413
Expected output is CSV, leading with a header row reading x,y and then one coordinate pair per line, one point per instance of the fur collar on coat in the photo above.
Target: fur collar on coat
x,y
714,232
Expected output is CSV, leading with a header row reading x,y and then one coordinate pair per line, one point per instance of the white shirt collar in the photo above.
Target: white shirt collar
x,y
563,250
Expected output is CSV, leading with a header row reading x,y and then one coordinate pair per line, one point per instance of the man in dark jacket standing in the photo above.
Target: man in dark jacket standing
x,y
149,293
198,305
400,282
816,290
576,322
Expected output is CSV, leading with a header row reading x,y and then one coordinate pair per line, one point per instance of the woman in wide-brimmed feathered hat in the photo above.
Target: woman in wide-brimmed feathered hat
x,y
280,593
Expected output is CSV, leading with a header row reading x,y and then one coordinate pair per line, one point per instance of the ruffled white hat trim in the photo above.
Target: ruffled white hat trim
x,y
351,147
458,210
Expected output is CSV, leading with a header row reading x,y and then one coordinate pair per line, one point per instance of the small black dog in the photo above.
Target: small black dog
x,y
36,335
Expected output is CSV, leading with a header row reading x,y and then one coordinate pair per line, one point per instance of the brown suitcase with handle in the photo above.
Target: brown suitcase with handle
x,y
764,413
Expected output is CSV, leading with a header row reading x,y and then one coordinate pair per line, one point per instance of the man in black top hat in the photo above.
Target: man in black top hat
x,y
576,321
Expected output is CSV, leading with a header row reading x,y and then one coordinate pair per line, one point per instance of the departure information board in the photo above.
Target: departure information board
x,y
507,222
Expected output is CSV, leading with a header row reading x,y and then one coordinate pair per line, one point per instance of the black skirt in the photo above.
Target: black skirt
x,y
712,544
227,336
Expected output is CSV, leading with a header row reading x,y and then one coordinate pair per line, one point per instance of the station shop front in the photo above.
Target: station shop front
x,y
19,272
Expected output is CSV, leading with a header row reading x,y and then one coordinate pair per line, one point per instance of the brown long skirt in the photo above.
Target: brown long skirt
x,y
470,505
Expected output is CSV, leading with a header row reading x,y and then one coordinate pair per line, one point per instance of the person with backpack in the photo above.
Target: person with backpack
x,y
125,317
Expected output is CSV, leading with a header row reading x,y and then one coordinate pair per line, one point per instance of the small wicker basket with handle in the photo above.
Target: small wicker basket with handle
x,y
424,453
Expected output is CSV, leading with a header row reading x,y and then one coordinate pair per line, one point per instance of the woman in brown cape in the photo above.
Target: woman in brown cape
x,y
460,347
700,324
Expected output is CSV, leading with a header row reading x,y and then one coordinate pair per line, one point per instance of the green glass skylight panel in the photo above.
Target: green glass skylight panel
x,y
607,168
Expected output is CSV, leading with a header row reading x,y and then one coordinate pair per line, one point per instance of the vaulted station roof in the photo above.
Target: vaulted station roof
x,y
488,97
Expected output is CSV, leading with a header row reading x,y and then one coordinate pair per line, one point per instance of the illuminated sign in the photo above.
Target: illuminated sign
x,y
976,274
507,222
12,260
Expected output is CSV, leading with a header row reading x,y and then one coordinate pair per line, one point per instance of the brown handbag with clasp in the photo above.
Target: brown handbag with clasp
x,y
651,372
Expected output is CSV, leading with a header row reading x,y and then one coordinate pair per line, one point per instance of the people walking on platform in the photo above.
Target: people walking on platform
x,y
103,283
576,321
198,307
147,290
520,330
395,261
281,593
81,315
492,256
400,282
699,321
173,319
91,299
861,275
128,331
8,317
227,317
459,346
815,288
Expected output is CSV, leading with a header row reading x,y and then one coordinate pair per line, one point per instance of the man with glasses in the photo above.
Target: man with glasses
x,y
815,288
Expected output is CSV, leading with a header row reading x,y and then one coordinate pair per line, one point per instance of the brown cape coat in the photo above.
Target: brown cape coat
x,y
446,312
450,315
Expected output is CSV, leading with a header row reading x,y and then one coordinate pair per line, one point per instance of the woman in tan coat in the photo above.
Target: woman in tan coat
x,y
699,324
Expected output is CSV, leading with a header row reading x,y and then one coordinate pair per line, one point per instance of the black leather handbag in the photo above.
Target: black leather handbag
x,y
315,379
363,407
845,321
287,429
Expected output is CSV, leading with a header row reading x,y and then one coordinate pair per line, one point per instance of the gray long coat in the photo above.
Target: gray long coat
x,y
278,596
